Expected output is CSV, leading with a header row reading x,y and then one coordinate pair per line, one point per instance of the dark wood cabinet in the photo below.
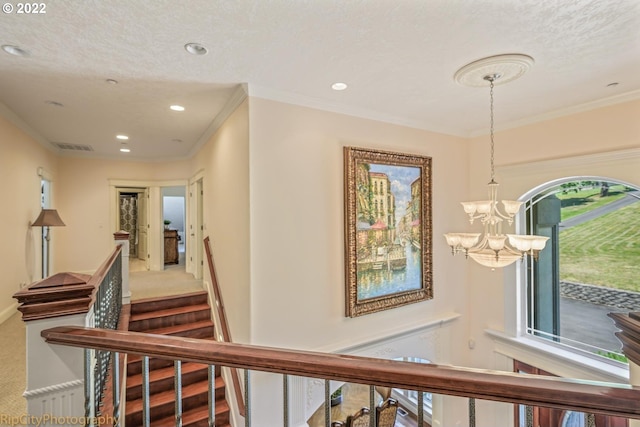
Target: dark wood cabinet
x,y
171,255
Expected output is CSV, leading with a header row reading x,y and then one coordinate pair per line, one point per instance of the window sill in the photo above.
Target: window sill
x,y
557,359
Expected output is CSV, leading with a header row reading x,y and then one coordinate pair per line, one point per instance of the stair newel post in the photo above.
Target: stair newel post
x,y
146,416
177,384
629,336
211,370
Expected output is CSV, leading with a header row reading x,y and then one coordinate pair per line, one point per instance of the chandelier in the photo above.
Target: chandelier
x,y
492,248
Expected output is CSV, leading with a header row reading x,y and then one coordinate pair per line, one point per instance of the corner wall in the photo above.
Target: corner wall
x,y
223,163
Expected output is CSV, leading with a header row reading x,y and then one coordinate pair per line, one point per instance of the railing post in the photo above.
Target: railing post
x,y
122,238
629,325
55,373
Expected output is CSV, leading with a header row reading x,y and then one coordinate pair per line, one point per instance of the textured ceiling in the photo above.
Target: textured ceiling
x,y
397,56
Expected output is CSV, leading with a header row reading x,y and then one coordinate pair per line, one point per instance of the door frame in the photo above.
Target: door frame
x,y
156,238
194,228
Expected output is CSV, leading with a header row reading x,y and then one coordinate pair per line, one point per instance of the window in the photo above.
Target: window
x,y
408,399
589,267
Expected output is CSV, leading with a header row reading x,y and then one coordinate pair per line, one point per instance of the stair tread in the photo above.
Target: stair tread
x,y
145,315
167,397
147,304
170,330
193,415
166,298
164,373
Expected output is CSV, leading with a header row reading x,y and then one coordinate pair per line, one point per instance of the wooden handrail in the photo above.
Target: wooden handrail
x,y
578,395
224,325
101,272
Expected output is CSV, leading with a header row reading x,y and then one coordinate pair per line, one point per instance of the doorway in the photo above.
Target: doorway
x,y
174,218
134,219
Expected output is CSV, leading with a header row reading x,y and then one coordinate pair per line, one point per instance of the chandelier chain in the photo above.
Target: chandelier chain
x,y
491,79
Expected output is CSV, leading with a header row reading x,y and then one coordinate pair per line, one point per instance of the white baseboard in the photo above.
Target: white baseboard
x,y
8,312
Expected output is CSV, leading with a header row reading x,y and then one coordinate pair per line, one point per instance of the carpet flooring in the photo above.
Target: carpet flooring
x,y
143,284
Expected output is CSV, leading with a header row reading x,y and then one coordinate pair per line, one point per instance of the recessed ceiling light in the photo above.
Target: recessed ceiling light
x,y
54,103
112,81
195,49
177,108
124,148
178,140
15,50
613,84
339,86
122,137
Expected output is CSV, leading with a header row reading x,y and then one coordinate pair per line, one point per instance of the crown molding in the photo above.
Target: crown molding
x,y
237,97
563,112
335,107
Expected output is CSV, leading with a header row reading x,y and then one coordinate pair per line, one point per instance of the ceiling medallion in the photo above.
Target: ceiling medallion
x,y
507,67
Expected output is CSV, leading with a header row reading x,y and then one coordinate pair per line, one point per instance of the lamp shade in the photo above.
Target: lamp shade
x,y
48,218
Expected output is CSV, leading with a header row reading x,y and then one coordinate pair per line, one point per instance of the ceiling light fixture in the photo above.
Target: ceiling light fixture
x,y
112,81
177,107
15,50
122,137
493,248
124,148
195,49
339,86
54,103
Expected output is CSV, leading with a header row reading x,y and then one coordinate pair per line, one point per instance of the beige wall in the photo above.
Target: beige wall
x,y
20,246
297,225
224,162
85,206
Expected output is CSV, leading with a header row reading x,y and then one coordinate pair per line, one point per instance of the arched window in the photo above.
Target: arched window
x,y
589,267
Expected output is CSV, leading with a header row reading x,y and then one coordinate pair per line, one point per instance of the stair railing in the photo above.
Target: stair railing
x,y
54,380
105,313
560,393
223,324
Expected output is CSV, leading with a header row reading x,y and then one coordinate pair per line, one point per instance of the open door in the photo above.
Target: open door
x,y
143,227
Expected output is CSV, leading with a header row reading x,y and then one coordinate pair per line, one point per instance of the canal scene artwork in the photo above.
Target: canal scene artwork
x,y
386,228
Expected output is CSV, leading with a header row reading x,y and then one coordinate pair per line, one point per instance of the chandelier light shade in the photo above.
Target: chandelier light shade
x,y
492,248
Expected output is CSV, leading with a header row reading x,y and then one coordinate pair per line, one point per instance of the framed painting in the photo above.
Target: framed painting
x,y
388,230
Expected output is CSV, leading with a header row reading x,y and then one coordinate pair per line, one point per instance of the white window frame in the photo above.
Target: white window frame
x,y
529,179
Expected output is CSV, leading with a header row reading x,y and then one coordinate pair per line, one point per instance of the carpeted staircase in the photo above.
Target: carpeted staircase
x,y
180,315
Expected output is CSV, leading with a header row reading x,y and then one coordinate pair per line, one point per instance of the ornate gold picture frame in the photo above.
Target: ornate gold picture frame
x,y
388,230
